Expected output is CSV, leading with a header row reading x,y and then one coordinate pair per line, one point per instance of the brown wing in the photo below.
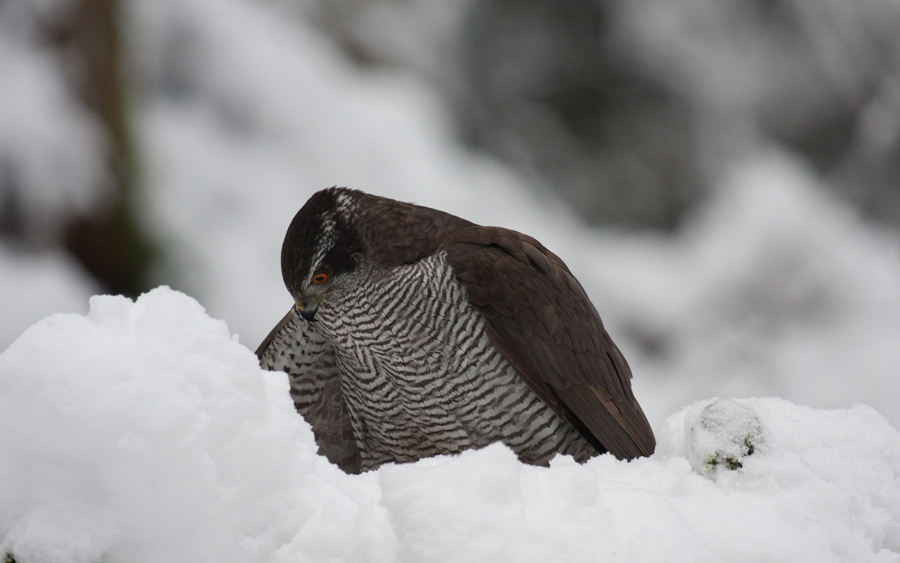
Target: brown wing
x,y
403,233
295,347
543,322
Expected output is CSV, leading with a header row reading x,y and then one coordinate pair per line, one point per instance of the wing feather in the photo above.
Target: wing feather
x,y
544,324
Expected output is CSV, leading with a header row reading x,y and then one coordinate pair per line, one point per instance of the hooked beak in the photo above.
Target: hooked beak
x,y
309,300
307,308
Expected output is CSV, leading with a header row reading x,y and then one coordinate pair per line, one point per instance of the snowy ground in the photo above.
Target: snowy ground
x,y
143,432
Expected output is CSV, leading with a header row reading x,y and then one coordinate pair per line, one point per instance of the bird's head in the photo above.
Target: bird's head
x,y
322,246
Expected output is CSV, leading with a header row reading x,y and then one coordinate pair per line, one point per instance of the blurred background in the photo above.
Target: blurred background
x,y
723,176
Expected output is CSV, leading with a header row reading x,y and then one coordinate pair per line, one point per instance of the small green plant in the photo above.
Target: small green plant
x,y
731,462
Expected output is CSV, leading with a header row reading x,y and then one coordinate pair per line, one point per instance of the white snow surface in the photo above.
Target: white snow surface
x,y
144,432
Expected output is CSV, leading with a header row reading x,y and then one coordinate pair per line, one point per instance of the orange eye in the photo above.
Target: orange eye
x,y
320,278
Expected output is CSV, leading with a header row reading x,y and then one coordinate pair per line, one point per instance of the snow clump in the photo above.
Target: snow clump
x,y
720,434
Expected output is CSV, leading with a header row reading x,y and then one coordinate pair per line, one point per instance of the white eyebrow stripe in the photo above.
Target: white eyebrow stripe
x,y
344,202
324,243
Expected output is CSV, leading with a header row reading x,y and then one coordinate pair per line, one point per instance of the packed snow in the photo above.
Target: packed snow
x,y
144,431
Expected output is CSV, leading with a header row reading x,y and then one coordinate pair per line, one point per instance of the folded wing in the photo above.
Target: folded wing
x,y
543,322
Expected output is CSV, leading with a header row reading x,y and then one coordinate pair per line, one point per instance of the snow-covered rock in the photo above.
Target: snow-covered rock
x,y
719,435
144,431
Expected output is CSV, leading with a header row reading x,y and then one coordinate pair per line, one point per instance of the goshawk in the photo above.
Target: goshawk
x,y
417,333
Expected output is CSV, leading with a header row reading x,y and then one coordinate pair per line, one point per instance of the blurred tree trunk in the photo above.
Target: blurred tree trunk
x,y
109,243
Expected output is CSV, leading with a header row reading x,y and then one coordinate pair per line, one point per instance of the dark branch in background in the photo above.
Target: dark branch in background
x,y
109,243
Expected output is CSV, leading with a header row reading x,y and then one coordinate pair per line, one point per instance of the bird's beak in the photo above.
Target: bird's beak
x,y
309,300
307,307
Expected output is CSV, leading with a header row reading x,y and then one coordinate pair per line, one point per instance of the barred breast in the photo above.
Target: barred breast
x,y
420,377
297,348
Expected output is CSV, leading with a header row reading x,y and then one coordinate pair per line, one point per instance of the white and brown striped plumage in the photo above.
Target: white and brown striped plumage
x,y
417,333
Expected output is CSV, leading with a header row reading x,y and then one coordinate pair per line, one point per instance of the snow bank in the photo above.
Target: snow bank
x,y
820,486
144,432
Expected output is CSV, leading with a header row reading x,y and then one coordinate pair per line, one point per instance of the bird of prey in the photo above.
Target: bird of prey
x,y
417,333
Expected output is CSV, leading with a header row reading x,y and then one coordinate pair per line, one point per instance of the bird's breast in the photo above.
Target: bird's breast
x,y
419,374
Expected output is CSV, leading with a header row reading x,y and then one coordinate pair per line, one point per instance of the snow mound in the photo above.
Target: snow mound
x,y
144,432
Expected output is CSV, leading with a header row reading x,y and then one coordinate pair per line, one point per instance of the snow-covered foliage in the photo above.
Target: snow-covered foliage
x,y
51,148
775,289
772,289
51,167
625,106
721,434
246,113
144,432
34,286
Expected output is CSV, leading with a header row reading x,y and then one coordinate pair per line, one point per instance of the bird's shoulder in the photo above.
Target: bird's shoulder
x,y
399,233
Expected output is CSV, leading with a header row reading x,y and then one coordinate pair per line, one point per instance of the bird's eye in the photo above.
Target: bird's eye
x,y
320,278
